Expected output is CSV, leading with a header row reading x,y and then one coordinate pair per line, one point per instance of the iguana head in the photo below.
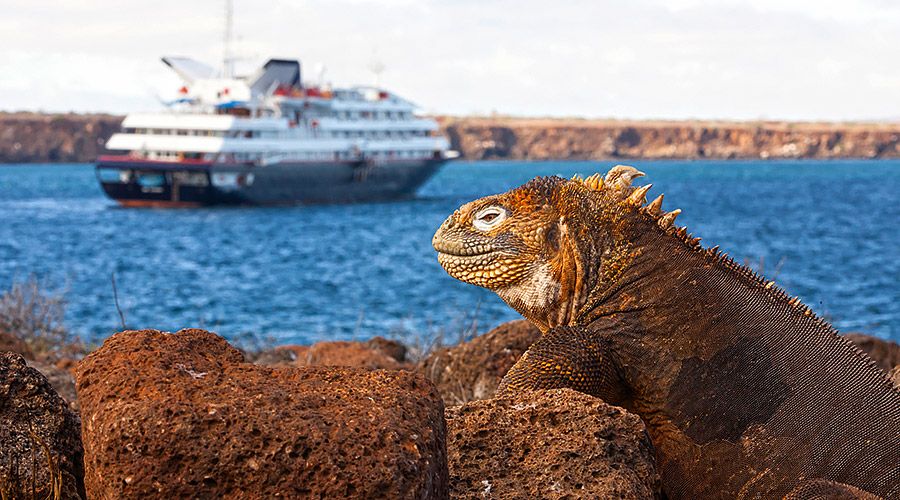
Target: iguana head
x,y
546,246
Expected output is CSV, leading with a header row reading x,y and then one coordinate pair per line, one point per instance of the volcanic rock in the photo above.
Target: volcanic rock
x,y
473,370
182,415
61,379
884,352
9,342
548,444
390,348
35,422
377,353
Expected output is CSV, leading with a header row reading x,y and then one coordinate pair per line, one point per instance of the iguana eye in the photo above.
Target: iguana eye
x,y
488,218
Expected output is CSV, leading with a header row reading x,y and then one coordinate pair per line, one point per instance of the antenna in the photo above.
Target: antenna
x,y
320,74
377,68
228,59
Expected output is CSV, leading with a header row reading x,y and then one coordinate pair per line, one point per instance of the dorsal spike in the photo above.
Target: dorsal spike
x,y
695,241
681,232
638,196
668,219
621,176
655,206
594,182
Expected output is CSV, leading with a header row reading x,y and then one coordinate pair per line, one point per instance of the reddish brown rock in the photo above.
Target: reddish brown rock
x,y
377,353
284,355
473,370
61,378
390,348
548,444
28,404
11,343
884,352
182,415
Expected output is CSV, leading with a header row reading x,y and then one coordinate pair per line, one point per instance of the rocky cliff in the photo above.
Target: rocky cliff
x,y
52,138
539,139
35,137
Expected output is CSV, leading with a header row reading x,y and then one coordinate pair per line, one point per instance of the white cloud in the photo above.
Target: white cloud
x,y
741,59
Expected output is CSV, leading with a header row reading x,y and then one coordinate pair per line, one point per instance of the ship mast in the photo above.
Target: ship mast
x,y
228,59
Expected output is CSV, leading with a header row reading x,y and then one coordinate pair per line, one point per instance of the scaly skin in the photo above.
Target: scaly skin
x,y
745,392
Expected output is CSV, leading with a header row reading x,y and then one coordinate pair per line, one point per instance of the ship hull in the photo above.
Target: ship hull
x,y
135,183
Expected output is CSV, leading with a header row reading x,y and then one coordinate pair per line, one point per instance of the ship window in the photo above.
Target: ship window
x,y
110,175
151,180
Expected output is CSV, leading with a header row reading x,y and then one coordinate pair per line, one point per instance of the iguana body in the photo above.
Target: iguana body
x,y
745,392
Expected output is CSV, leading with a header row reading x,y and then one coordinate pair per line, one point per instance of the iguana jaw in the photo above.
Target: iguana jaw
x,y
472,259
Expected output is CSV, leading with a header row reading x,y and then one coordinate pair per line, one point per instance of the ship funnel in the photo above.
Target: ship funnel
x,y
274,73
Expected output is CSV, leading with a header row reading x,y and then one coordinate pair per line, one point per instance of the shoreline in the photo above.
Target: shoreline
x,y
29,137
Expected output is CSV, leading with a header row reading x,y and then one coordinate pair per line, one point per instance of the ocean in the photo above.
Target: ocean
x,y
825,230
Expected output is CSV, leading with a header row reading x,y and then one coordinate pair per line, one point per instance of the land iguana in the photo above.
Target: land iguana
x,y
745,392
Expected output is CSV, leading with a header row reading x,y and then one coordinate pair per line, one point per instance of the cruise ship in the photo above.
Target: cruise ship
x,y
270,139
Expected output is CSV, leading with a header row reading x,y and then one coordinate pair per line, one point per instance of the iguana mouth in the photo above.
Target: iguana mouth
x,y
465,254
462,250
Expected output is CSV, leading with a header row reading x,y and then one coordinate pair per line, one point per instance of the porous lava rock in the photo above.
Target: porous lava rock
x,y
35,421
61,378
182,415
390,348
473,370
377,353
884,352
548,444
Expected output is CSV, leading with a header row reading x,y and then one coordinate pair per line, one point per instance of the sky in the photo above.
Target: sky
x,y
830,60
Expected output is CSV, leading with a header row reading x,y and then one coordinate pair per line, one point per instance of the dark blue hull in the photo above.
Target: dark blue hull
x,y
183,184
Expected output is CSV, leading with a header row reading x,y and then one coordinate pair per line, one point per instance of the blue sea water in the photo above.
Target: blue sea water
x,y
826,230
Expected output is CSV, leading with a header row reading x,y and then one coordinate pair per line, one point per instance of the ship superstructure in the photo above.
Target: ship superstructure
x,y
270,139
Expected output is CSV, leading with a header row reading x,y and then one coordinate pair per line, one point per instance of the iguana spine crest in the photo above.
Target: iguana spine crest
x,y
619,179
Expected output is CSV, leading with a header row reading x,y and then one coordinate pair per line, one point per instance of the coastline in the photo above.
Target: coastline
x,y
27,137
